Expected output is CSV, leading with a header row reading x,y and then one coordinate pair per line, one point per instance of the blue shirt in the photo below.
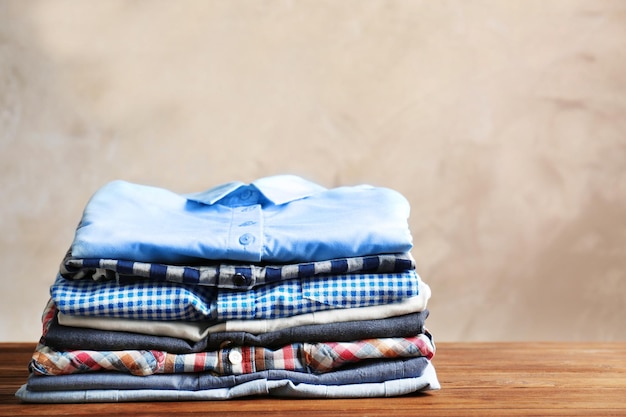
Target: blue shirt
x,y
223,275
279,219
145,300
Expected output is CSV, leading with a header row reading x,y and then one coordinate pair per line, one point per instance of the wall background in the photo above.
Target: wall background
x,y
503,123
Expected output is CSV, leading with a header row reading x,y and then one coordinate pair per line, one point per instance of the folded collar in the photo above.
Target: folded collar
x,y
278,189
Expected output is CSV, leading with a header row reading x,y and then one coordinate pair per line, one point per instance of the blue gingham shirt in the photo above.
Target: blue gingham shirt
x,y
146,300
228,275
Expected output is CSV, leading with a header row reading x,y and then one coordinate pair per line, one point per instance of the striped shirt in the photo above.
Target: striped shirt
x,y
229,275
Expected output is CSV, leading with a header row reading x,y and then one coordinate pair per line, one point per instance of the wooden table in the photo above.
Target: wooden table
x,y
478,379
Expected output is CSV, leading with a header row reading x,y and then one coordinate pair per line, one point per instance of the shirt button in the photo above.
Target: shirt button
x,y
225,344
246,239
235,357
240,279
246,194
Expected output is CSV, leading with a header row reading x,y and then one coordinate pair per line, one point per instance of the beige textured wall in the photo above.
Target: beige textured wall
x,y
503,122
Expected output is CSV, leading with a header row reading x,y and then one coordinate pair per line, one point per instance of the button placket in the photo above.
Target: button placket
x,y
246,233
232,358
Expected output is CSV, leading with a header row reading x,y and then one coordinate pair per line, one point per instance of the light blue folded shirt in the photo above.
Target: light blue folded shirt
x,y
278,219
427,381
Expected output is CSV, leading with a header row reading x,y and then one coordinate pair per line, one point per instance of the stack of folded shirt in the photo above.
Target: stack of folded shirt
x,y
280,287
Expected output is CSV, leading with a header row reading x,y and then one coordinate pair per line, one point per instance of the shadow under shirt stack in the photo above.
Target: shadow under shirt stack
x,y
279,287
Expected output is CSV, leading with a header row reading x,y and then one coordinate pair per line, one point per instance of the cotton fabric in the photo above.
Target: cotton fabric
x,y
278,287
229,275
286,388
146,300
258,222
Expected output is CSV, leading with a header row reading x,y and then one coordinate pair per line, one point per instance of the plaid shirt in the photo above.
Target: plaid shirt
x,y
229,275
146,300
300,357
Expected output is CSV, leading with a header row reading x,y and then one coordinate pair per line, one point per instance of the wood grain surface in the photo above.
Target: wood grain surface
x,y
478,379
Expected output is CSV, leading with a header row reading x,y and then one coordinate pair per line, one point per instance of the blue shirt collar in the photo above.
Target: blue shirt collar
x,y
278,189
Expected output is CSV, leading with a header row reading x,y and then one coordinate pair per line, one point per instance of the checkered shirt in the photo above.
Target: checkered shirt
x,y
299,357
147,300
228,275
